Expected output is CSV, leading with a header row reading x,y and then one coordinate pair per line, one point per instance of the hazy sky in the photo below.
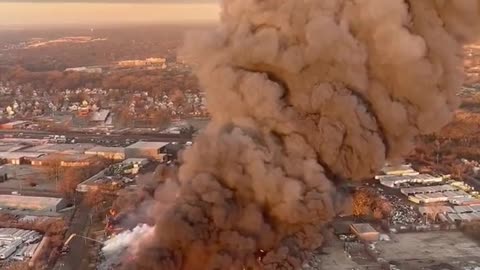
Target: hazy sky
x,y
97,12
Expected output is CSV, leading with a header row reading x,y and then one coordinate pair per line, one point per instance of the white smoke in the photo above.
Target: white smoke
x,y
123,243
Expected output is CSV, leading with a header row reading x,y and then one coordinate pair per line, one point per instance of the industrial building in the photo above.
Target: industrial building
x,y
77,161
465,217
67,149
64,160
150,150
427,189
115,153
18,158
18,202
365,232
100,117
447,196
395,181
404,169
451,214
20,243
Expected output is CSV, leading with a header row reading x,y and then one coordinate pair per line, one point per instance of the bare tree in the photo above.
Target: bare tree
x,y
71,178
53,164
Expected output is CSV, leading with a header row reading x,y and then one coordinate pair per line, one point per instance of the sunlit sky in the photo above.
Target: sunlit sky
x,y
98,12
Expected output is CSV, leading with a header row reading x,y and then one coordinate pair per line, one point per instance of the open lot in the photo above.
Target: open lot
x,y
431,250
408,251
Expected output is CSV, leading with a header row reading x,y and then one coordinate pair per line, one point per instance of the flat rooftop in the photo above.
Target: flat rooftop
x,y
17,155
100,116
397,168
135,160
363,228
105,149
78,148
147,145
20,201
429,189
10,147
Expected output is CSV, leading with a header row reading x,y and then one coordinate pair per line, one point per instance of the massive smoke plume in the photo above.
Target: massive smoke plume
x,y
304,95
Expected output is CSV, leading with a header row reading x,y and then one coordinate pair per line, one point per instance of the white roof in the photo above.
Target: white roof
x,y
397,169
147,145
100,115
31,202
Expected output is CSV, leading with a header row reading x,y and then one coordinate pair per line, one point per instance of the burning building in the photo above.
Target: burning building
x,y
304,95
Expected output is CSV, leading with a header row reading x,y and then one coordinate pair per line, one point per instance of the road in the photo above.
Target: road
x,y
77,257
31,192
84,136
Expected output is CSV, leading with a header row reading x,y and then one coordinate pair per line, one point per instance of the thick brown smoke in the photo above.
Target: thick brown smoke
x,y
304,94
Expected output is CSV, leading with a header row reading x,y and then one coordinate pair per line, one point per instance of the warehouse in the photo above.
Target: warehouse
x,y
394,181
425,190
64,160
365,232
17,158
447,196
19,202
405,169
115,153
150,150
100,116
19,242
66,149
467,209
77,160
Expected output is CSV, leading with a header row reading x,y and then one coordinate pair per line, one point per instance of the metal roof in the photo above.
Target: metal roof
x,y
17,155
19,201
147,145
429,189
363,228
105,149
100,115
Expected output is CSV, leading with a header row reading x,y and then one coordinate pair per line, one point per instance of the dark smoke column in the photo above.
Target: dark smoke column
x,y
303,95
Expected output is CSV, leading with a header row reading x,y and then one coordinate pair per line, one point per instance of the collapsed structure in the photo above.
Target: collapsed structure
x,y
304,95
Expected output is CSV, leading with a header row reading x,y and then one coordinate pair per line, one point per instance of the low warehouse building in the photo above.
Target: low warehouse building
x,y
365,232
17,158
19,202
115,153
150,150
